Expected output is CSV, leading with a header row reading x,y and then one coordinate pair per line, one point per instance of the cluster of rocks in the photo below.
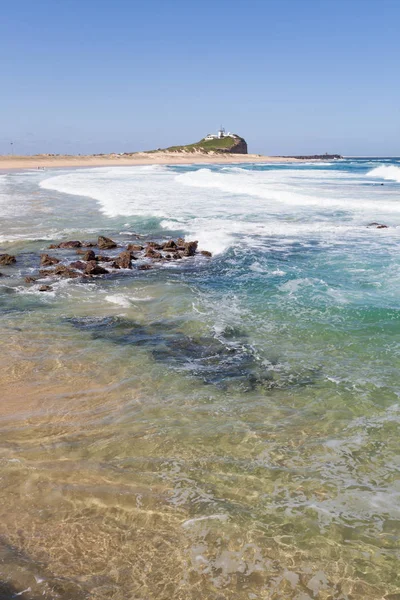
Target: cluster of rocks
x,y
90,263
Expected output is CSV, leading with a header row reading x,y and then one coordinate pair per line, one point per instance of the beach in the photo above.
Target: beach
x,y
139,158
218,426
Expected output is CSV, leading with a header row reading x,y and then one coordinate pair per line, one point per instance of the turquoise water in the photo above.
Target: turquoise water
x,y
212,428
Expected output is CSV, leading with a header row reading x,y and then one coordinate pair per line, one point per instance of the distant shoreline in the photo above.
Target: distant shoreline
x,y
141,158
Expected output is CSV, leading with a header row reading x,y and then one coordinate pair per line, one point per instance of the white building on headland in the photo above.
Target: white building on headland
x,y
221,134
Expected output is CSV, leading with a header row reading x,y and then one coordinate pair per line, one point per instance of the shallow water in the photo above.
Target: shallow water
x,y
217,429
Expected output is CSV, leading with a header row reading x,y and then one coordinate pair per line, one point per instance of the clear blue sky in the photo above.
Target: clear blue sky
x,y
291,76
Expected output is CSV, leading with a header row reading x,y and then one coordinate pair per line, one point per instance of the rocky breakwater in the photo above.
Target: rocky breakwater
x,y
91,262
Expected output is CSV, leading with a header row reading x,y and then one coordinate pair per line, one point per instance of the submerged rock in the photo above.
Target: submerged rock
x,y
105,243
145,267
48,261
206,253
7,259
30,279
45,288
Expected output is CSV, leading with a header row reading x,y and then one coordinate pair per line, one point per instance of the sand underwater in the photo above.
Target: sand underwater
x,y
211,428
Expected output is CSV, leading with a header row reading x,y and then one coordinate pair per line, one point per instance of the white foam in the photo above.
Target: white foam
x,y
223,207
389,172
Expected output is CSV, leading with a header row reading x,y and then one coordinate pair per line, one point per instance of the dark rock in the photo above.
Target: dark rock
x,y
88,244
45,288
65,272
154,245
205,253
190,248
92,268
48,261
102,258
1,275
30,279
177,256
151,253
180,242
145,267
105,243
170,245
89,255
78,264
124,260
46,272
7,259
377,225
69,244
134,247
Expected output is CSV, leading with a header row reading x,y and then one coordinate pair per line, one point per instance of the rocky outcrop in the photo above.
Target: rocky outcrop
x,y
88,264
239,146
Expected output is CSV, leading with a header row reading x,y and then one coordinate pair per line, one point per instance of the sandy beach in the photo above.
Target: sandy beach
x,y
140,158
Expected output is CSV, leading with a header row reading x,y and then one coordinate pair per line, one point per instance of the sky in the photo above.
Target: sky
x,y
290,76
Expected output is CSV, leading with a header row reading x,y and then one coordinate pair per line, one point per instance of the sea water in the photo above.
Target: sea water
x,y
221,428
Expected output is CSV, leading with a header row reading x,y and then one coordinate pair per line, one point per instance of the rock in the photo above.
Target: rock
x,y
190,248
92,268
180,242
65,272
170,245
1,275
105,243
47,261
154,245
102,258
46,272
124,260
377,225
89,255
206,253
78,264
151,253
7,259
30,279
69,244
145,267
177,256
135,247
88,244
45,288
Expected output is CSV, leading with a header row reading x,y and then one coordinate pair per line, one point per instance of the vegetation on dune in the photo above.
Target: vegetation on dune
x,y
216,145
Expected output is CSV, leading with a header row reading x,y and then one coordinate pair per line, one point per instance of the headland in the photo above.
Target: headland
x,y
216,148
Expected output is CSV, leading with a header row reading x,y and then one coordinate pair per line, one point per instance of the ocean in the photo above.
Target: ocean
x,y
221,428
